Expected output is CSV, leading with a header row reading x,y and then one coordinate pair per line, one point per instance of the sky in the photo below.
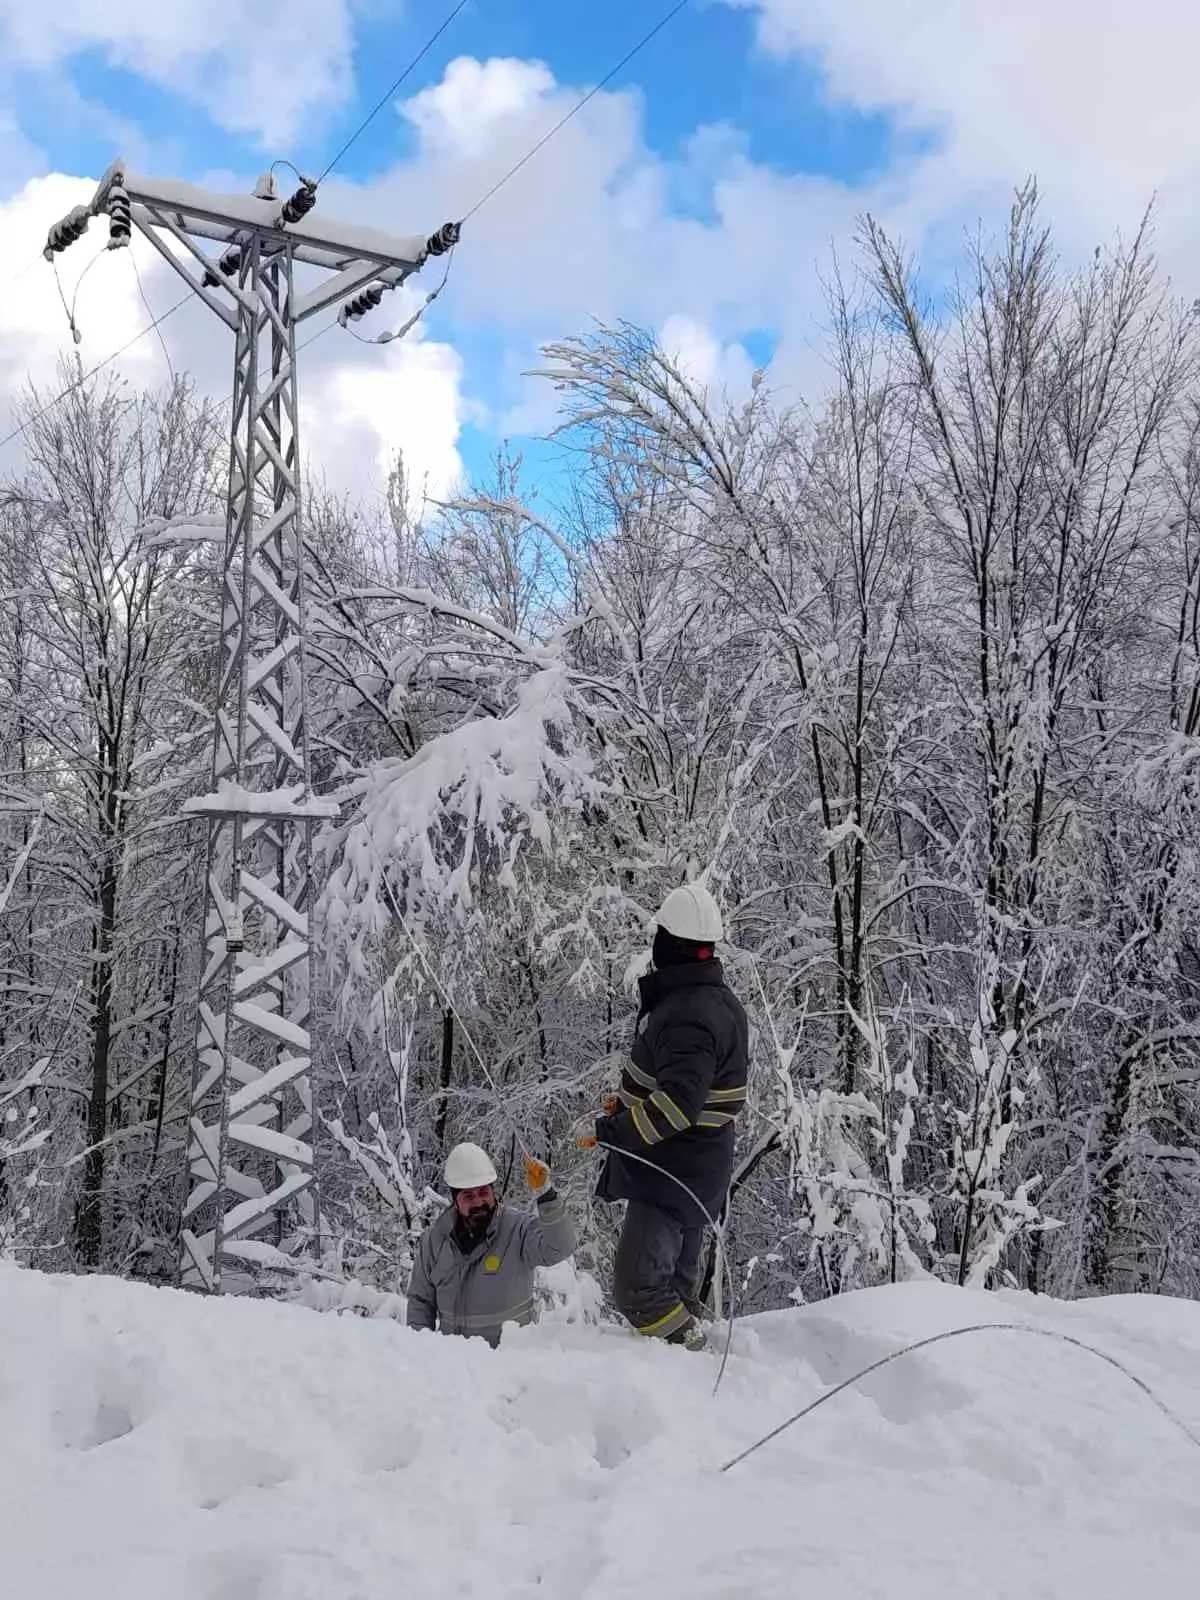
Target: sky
x,y
702,194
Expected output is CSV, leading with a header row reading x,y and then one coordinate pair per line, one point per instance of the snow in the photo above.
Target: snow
x,y
153,1443
343,238
231,798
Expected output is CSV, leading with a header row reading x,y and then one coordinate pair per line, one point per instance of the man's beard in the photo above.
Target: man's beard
x,y
477,1219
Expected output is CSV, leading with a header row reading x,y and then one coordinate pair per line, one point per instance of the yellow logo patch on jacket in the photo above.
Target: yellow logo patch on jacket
x,y
491,1263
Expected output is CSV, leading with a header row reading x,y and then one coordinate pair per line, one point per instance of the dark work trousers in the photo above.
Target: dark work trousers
x,y
657,1270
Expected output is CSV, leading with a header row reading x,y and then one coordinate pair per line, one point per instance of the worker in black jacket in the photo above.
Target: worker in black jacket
x,y
680,1093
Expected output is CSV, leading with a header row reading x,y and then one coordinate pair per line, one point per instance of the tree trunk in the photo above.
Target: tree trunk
x,y
89,1229
444,1078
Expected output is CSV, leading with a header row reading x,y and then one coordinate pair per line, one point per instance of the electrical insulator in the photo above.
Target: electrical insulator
x,y
301,203
72,227
119,223
228,264
361,304
444,239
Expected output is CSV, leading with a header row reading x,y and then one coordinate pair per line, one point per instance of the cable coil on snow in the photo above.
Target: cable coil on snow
x,y
957,1333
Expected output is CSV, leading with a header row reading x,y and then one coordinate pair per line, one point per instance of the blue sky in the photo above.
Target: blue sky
x,y
703,68
702,194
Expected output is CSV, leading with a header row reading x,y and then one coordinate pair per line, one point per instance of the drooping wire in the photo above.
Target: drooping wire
x,y
579,105
67,310
957,1333
387,95
157,329
103,251
350,311
92,371
76,331
291,165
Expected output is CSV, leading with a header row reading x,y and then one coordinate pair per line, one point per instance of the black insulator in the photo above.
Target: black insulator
x,y
119,223
301,203
444,239
72,227
361,304
228,264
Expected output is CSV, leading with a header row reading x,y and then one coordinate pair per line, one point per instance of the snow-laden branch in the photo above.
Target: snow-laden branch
x,y
455,815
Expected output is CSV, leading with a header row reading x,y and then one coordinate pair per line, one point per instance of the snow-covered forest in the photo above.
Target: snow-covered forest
x,y
912,673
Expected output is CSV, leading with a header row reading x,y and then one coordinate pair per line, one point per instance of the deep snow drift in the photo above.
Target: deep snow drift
x,y
153,1444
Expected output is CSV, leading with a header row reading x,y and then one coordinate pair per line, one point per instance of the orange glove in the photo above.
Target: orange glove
x,y
612,1104
537,1175
586,1142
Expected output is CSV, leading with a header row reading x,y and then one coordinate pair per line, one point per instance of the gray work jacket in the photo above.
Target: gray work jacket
x,y
476,1293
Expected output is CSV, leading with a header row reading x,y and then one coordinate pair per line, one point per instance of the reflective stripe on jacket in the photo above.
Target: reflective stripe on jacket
x,y
681,1092
474,1293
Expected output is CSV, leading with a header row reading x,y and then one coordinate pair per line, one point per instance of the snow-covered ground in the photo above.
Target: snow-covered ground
x,y
153,1445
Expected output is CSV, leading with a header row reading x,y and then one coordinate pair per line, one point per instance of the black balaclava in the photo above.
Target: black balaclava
x,y
669,951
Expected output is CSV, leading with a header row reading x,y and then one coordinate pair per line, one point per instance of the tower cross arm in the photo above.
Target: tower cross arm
x,y
212,215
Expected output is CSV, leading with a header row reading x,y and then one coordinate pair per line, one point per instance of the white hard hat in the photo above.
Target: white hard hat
x,y
469,1167
690,912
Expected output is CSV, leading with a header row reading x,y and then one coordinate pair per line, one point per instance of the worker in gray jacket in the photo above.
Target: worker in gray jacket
x,y
475,1264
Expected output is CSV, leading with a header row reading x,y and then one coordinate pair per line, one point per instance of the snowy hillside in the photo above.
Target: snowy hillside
x,y
154,1445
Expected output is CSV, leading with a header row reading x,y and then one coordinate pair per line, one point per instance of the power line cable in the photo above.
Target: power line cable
x,y
584,100
150,309
128,345
24,272
517,166
387,95
957,1333
158,321
92,371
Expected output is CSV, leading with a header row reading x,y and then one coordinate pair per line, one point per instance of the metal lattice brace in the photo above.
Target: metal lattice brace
x,y
252,1195
250,1149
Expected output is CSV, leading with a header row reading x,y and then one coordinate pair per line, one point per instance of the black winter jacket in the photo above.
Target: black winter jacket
x,y
680,1093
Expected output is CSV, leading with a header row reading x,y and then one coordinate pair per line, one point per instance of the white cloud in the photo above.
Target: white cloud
x,y
584,231
252,77
33,322
465,111
587,229
1098,98
703,359
359,403
19,160
355,417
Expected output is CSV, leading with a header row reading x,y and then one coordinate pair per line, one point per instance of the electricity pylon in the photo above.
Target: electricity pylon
x,y
251,1193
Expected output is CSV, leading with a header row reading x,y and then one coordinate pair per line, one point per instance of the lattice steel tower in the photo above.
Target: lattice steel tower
x,y
251,1192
